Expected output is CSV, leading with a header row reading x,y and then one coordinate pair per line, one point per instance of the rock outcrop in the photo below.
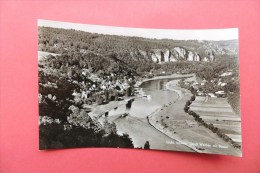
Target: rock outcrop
x,y
175,54
182,53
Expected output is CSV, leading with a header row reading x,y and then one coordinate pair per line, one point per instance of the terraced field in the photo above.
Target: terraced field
x,y
218,112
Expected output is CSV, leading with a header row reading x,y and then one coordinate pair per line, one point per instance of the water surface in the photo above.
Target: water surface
x,y
142,107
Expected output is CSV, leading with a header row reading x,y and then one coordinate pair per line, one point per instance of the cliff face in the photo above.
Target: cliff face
x,y
175,54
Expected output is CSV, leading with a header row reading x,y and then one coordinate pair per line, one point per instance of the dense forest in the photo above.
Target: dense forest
x,y
132,54
89,68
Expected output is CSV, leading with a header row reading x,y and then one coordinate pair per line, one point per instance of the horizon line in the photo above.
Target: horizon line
x,y
224,34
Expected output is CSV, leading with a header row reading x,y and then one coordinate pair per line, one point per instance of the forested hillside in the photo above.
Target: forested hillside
x,y
135,54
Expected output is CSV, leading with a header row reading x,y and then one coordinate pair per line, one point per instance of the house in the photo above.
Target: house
x,y
203,82
195,83
83,51
199,93
212,95
57,45
103,87
223,84
220,93
125,85
226,74
84,95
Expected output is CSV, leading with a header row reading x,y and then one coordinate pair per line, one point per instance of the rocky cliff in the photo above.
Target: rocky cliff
x,y
175,54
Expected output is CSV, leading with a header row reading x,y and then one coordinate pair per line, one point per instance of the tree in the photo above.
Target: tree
x,y
192,97
99,99
129,91
110,128
106,93
116,95
147,145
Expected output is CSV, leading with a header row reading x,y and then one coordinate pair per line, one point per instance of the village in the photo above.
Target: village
x,y
215,88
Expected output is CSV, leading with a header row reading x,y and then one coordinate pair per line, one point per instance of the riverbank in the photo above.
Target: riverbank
x,y
172,120
141,131
160,121
99,110
173,76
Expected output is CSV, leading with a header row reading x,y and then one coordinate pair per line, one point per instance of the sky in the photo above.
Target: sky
x,y
175,34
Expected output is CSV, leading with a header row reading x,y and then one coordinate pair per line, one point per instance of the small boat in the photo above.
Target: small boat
x,y
124,115
148,97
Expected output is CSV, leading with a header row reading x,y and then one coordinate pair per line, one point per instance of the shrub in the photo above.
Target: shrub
x,y
192,98
147,145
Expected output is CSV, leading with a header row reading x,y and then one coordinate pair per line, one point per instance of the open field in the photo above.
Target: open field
x,y
218,112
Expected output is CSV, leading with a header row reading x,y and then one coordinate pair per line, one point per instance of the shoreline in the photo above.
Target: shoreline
x,y
173,76
171,86
97,111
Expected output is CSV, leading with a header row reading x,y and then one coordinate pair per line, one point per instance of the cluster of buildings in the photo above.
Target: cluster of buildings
x,y
215,87
99,85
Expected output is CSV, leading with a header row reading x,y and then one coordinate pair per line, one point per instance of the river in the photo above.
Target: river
x,y
142,107
136,124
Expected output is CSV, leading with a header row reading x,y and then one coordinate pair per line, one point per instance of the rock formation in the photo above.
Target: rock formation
x,y
175,54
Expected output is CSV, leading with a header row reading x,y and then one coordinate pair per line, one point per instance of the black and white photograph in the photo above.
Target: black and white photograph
x,y
153,89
